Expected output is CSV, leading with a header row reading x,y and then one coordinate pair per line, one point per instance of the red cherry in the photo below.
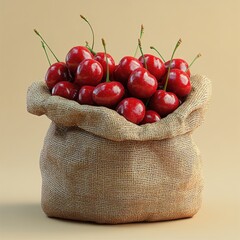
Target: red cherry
x,y
163,102
151,117
108,94
125,67
132,109
85,95
178,82
75,56
142,84
57,72
89,72
179,64
154,65
101,58
65,89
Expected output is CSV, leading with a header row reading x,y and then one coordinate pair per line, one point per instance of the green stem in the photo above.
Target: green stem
x,y
147,102
93,37
198,56
169,67
140,47
90,49
43,46
140,37
105,51
158,53
46,44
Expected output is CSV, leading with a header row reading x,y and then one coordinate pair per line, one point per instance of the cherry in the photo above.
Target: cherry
x,y
178,82
108,94
142,84
132,109
163,102
89,72
125,67
85,95
75,56
57,72
178,64
65,89
100,57
154,65
150,117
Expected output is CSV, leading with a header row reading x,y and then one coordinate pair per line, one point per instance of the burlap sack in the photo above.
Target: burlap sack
x,y
96,166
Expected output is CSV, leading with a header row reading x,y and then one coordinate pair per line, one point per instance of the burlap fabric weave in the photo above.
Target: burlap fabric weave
x,y
96,166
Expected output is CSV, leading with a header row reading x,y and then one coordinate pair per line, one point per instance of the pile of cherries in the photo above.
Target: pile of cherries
x,y
143,90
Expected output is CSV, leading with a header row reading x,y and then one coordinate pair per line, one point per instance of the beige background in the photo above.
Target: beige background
x,y
208,26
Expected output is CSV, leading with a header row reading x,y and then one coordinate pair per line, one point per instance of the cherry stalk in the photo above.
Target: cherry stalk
x,y
93,37
89,48
105,51
44,49
39,35
158,53
140,47
169,67
108,93
140,37
198,56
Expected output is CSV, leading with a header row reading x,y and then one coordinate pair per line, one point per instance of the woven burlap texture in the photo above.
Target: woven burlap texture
x,y
97,166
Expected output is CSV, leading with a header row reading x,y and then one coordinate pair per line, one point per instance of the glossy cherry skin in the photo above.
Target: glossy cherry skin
x,y
163,102
142,84
108,94
178,83
132,109
85,95
89,72
154,65
125,67
101,58
179,64
151,117
75,56
57,72
65,89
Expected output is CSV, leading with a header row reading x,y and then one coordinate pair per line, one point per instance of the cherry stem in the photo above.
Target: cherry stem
x,y
147,102
43,46
105,51
158,53
169,67
140,37
198,56
93,37
89,48
140,47
46,44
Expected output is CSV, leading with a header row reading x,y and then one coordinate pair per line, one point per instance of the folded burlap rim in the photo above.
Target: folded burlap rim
x,y
108,124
